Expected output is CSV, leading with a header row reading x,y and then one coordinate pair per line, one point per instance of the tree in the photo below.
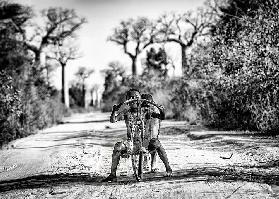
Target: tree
x,y
156,63
76,94
63,54
134,35
60,23
230,14
14,12
82,74
184,29
13,18
95,90
13,63
25,105
244,94
113,87
114,75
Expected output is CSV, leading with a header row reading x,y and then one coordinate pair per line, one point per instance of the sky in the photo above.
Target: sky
x,y
102,17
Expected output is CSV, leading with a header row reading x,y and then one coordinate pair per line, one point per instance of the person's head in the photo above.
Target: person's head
x,y
133,94
148,97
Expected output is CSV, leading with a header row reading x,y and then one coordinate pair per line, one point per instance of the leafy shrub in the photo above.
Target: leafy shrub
x,y
40,113
10,109
27,102
186,99
22,112
241,91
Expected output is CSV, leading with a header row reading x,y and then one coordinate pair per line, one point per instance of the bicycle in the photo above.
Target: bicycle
x,y
137,126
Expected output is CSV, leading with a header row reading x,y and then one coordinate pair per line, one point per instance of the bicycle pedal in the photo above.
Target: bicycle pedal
x,y
143,150
125,156
123,174
154,170
146,169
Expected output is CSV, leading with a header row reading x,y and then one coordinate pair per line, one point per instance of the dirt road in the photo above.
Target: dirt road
x,y
71,159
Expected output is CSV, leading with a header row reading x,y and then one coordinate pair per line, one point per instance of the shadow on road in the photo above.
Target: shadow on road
x,y
106,138
194,136
84,122
188,175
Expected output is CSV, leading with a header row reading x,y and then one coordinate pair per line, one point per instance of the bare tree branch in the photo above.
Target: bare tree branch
x,y
60,24
184,29
134,35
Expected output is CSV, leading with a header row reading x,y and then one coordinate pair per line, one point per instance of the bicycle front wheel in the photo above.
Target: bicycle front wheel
x,y
137,166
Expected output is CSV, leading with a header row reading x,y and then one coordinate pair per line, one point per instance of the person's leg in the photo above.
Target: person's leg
x,y
153,161
146,160
119,148
155,129
154,135
155,144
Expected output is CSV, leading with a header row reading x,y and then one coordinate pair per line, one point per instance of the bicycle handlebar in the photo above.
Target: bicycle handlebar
x,y
139,100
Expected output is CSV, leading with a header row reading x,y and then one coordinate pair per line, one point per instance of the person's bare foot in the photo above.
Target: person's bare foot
x,y
169,173
154,170
110,178
145,167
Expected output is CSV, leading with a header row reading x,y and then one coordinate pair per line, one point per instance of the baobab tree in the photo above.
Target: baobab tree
x,y
156,63
13,19
134,35
63,54
184,29
94,91
60,23
82,74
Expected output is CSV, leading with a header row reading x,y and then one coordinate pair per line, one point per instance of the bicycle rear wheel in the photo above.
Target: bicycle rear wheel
x,y
137,166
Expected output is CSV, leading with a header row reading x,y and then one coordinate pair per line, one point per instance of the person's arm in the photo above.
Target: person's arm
x,y
114,117
160,115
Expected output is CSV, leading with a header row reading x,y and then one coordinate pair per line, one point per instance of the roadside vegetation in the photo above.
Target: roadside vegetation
x,y
28,100
229,53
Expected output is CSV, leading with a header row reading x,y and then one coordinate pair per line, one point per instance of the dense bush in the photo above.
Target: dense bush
x,y
250,71
76,95
153,80
27,102
10,109
239,85
22,111
232,82
39,113
113,87
120,84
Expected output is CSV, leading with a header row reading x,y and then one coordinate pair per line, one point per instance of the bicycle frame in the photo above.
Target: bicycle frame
x,y
138,127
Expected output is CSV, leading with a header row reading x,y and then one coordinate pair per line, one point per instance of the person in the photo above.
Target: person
x,y
152,129
123,148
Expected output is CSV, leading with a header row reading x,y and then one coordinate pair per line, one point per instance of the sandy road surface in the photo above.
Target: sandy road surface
x,y
70,160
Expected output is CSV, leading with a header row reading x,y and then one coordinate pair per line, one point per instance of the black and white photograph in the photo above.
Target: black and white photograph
x,y
139,99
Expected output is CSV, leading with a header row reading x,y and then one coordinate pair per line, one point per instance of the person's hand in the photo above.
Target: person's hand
x,y
161,107
116,107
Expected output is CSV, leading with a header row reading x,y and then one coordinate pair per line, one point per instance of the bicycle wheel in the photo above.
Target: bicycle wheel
x,y
137,165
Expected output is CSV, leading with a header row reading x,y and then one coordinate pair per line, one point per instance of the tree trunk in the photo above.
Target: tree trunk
x,y
134,66
83,94
36,65
47,75
63,90
184,60
97,99
92,98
